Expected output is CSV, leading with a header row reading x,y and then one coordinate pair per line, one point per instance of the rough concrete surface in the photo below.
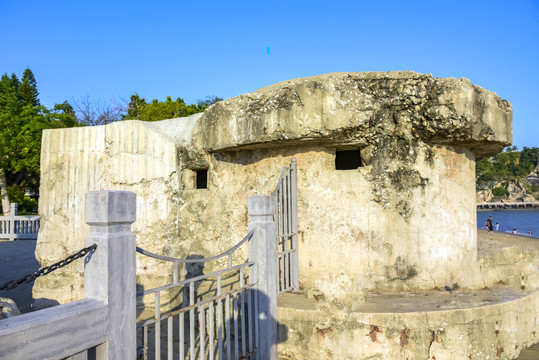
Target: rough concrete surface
x,y
496,322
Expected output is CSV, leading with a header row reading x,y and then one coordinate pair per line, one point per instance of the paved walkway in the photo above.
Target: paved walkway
x,y
17,259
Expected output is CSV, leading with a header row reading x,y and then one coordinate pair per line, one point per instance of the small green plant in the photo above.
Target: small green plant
x,y
499,191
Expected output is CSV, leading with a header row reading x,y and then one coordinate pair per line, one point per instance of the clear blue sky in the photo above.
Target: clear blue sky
x,y
108,49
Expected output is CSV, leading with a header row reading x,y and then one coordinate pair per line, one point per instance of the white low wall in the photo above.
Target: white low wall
x,y
17,227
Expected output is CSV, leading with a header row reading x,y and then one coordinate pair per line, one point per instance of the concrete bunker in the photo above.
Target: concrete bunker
x,y
408,142
397,213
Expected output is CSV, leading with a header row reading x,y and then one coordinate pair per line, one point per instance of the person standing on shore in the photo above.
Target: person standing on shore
x,y
497,226
489,225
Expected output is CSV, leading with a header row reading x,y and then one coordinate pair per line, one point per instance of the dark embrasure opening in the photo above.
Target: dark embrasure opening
x,y
347,159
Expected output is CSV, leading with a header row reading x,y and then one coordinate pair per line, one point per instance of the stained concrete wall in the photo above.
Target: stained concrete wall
x,y
404,220
122,156
350,240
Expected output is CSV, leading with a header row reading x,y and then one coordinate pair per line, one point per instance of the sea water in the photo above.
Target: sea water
x,y
525,221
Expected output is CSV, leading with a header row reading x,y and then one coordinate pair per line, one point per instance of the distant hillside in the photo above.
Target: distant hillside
x,y
509,176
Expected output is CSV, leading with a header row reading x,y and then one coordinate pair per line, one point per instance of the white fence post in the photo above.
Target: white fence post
x,y
13,209
104,322
263,250
110,273
12,214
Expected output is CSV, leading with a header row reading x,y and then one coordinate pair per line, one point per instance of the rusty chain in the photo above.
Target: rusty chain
x,y
47,269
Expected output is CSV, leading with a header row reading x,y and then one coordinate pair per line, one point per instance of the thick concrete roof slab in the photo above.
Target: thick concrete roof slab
x,y
360,109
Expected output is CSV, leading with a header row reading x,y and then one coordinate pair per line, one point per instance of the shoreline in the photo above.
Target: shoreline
x,y
524,220
501,205
510,239
532,236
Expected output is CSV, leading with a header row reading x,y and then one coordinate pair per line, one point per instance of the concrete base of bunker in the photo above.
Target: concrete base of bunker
x,y
494,323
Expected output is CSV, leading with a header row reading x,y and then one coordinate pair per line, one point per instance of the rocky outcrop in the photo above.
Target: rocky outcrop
x,y
518,190
8,308
484,196
533,177
515,191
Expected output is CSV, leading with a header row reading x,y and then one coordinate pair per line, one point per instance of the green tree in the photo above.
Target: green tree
x,y
22,121
139,109
9,125
136,107
506,166
28,89
210,100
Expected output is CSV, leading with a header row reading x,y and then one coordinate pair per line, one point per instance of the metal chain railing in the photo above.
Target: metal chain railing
x,y
47,269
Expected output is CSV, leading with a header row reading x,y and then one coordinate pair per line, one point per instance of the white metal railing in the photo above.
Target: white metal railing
x,y
286,228
17,227
228,313
212,320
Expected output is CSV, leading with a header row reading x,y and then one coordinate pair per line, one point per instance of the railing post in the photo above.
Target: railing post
x,y
110,274
294,216
12,214
13,209
263,250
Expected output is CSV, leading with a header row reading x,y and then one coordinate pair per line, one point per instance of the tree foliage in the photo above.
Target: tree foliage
x,y
139,109
90,112
22,121
509,165
499,191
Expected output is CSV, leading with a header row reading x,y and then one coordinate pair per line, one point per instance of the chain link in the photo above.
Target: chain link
x,y
47,269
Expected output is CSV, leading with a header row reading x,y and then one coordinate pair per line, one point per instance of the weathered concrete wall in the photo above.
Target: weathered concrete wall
x,y
123,156
404,220
387,228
